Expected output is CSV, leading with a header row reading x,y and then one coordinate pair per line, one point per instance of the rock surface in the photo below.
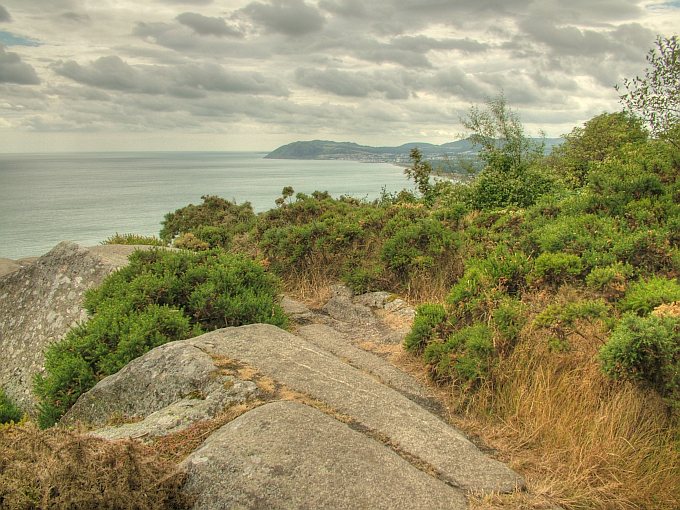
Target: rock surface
x,y
40,301
288,455
168,389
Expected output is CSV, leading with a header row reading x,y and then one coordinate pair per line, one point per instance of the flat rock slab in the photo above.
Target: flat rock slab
x,y
287,455
309,369
338,344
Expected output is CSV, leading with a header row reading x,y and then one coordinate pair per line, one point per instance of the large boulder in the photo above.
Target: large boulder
x,y
40,301
192,379
289,455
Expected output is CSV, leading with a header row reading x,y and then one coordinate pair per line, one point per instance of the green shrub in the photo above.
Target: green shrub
x,y
416,246
9,411
555,268
565,319
429,317
485,281
189,241
611,280
213,212
466,355
643,296
645,349
134,239
159,297
509,318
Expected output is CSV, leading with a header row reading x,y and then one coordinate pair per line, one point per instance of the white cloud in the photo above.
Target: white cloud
x,y
385,71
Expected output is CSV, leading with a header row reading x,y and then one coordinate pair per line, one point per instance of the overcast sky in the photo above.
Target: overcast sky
x,y
252,75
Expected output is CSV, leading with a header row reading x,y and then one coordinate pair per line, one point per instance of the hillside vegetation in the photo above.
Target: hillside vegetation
x,y
549,297
548,293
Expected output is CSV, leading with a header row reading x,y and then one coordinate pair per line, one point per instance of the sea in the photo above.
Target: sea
x,y
87,197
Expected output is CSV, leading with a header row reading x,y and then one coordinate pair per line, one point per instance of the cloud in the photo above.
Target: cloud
x,y
184,81
4,15
76,17
205,25
13,70
289,17
353,84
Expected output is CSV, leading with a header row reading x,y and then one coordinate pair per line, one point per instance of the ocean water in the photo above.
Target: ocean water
x,y
86,197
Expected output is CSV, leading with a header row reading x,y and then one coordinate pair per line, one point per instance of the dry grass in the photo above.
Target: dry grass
x,y
176,447
580,441
312,287
60,469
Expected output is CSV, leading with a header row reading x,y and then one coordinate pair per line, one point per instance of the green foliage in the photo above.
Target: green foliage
x,y
466,355
598,139
510,176
9,411
643,296
134,239
509,318
555,268
189,241
654,97
428,318
646,349
230,218
563,320
159,297
611,280
420,172
416,246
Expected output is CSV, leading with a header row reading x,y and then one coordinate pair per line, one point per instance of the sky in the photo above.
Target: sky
x,y
93,75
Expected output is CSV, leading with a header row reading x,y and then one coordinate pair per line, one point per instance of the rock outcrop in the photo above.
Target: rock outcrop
x,y
293,419
326,424
40,301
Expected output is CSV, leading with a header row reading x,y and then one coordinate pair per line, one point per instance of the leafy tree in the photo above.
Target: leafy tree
x,y
499,133
419,171
599,138
511,176
656,96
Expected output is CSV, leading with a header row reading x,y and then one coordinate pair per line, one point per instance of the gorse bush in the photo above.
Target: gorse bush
x,y
643,296
9,411
215,222
646,349
161,296
134,239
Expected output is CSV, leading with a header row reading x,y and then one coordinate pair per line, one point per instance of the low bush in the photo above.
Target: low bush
x,y
555,268
646,349
428,318
643,296
9,411
134,239
159,297
465,356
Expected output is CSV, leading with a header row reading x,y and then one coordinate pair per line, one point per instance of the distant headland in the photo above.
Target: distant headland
x,y
324,149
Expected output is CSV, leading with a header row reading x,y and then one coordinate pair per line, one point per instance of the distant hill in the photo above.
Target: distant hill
x,y
324,149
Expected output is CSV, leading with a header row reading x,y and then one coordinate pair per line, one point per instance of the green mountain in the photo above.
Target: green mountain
x,y
324,149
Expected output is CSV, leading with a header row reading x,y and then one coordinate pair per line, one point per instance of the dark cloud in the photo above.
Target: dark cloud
x,y
13,70
4,15
76,17
290,17
205,25
353,84
185,81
